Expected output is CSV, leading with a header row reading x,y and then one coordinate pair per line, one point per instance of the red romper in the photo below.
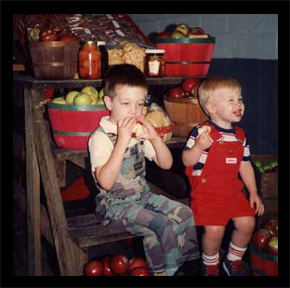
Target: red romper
x,y
216,194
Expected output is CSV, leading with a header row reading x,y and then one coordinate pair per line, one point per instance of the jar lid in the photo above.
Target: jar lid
x,y
154,51
89,42
101,43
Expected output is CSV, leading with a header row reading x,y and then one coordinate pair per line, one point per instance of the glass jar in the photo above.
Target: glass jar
x,y
155,63
90,61
105,57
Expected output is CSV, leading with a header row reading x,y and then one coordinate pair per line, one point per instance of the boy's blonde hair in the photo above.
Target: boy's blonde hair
x,y
211,85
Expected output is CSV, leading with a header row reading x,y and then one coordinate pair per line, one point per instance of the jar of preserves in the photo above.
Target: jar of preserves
x,y
90,60
155,63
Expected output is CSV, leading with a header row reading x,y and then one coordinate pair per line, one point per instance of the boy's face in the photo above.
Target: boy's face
x,y
127,102
226,106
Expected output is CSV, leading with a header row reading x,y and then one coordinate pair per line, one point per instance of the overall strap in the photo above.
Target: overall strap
x,y
240,134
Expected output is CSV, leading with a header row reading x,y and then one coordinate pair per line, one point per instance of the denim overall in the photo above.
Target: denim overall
x,y
167,226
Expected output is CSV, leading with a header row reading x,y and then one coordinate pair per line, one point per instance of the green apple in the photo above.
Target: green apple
x,y
71,96
267,167
273,164
101,94
93,100
183,28
59,100
100,102
83,99
91,91
258,164
177,34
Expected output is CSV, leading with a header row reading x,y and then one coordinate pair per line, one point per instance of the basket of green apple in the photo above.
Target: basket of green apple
x,y
74,117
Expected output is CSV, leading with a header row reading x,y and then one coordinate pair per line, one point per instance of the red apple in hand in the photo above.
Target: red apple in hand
x,y
177,92
272,246
261,238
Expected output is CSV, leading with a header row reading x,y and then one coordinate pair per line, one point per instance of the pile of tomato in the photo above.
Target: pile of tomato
x,y
117,265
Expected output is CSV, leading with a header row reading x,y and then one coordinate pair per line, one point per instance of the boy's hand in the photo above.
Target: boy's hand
x,y
125,128
203,141
149,131
256,201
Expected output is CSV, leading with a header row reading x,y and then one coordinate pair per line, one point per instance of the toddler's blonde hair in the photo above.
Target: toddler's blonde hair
x,y
211,85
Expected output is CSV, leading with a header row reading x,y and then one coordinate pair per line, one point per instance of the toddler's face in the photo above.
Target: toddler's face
x,y
127,102
228,105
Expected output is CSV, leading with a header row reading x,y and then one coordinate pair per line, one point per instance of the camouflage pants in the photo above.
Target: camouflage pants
x,y
167,226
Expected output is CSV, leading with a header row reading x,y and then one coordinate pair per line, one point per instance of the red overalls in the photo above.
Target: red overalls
x,y
216,194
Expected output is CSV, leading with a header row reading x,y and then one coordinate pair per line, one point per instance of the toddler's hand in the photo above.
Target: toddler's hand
x,y
203,141
256,201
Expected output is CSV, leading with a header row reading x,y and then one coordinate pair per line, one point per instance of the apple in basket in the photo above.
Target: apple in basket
x,y
83,99
59,100
177,92
48,35
163,35
189,85
272,246
182,28
261,238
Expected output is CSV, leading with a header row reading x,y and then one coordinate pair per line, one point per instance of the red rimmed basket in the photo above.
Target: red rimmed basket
x,y
187,57
165,133
72,125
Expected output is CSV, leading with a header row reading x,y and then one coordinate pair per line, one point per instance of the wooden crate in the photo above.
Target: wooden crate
x,y
268,185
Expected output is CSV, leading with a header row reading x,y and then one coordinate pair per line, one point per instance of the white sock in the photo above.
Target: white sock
x,y
235,252
210,260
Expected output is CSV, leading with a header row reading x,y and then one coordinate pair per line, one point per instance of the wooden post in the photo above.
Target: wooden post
x,y
33,192
62,239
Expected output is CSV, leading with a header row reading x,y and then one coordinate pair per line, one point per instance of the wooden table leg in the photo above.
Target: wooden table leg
x,y
33,192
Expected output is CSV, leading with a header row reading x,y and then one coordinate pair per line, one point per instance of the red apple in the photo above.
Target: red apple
x,y
140,271
189,85
48,35
94,268
272,246
196,31
261,238
177,92
67,38
119,264
270,225
163,35
106,266
137,262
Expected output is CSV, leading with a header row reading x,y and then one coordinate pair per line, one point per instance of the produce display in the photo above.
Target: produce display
x,y
188,89
266,238
184,31
89,95
117,265
271,167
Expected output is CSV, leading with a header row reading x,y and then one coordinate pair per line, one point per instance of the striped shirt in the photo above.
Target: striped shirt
x,y
228,135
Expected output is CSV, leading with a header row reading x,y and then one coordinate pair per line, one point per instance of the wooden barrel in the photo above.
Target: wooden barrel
x,y
72,125
54,59
185,113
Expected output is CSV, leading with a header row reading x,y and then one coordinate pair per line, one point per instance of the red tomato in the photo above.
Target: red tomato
x,y
89,48
136,263
83,55
119,264
95,56
106,266
94,268
84,72
140,271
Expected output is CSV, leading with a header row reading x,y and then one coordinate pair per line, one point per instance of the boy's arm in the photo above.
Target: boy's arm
x,y
163,157
248,176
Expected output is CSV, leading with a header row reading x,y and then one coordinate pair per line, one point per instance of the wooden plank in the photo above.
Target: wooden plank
x,y
62,239
33,192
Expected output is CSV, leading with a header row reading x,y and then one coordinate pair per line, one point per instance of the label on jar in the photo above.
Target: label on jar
x,y
153,67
